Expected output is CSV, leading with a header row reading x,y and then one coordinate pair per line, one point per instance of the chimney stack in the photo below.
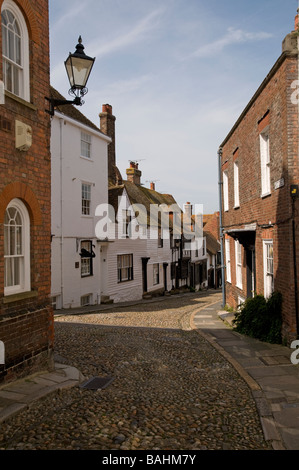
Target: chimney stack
x,y
133,174
152,186
188,209
107,126
297,21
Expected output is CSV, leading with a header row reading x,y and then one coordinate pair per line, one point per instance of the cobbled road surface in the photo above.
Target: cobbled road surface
x,y
171,389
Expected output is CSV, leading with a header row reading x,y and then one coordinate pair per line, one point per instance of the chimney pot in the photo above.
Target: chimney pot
x,y
107,108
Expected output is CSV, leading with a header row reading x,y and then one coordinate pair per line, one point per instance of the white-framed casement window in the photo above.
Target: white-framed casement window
x,y
268,268
85,145
238,255
225,191
265,163
126,223
87,256
86,198
227,259
156,278
125,268
15,50
236,185
16,248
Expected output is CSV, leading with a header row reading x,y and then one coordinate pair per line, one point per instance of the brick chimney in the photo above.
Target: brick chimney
x,y
297,20
133,174
152,186
107,126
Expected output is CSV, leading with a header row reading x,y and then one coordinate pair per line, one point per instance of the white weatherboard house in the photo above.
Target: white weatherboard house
x,y
79,185
140,258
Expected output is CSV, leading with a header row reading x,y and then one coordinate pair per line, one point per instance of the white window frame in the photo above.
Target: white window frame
x,y
86,145
125,268
126,223
228,261
87,261
24,256
236,185
238,255
265,162
225,191
85,208
24,74
268,269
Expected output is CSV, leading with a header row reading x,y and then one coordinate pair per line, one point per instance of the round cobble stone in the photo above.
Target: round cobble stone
x,y
171,390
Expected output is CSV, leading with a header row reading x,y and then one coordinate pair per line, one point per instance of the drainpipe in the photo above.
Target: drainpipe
x,y
221,226
295,264
61,209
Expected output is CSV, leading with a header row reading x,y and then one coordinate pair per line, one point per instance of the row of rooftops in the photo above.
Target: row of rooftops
x,y
137,193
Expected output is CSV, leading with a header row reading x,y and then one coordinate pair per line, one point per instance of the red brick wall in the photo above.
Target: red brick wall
x,y
272,214
26,324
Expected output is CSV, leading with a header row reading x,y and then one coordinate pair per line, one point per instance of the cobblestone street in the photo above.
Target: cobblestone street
x,y
171,389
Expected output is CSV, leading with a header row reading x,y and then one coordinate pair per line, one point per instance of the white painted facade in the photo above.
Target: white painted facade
x,y
73,282
144,244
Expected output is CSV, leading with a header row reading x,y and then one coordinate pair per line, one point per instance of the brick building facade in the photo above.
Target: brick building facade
x,y
26,318
259,165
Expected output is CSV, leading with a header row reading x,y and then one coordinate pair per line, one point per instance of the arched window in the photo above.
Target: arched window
x,y
16,248
15,50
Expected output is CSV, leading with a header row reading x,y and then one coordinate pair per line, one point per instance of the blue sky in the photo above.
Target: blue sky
x,y
178,73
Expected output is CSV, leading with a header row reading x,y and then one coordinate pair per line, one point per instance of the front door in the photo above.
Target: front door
x,y
250,270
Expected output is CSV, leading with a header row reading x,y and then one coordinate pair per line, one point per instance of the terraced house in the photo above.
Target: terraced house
x,y
26,321
259,175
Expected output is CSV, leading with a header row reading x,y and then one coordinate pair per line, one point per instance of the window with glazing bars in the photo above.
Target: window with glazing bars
x,y
125,268
85,145
86,198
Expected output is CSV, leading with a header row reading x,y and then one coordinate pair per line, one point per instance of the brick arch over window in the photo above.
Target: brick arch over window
x,y
23,192
30,18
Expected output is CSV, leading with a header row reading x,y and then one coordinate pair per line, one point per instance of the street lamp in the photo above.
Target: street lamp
x,y
78,67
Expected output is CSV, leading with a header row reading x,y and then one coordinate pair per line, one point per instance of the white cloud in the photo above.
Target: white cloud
x,y
233,36
69,15
122,87
144,26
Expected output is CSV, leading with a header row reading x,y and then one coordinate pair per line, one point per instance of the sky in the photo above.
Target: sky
x,y
177,73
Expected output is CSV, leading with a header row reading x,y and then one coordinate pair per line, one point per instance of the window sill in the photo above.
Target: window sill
x,y
20,296
236,207
88,159
265,195
239,287
20,100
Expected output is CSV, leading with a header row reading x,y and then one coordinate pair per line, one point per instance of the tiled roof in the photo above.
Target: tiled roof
x,y
213,246
139,195
72,112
